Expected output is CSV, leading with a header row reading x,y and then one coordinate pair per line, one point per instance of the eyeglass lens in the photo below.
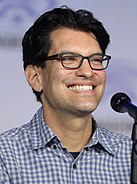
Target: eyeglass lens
x,y
70,60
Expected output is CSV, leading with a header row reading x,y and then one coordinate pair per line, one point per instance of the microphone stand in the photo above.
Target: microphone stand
x,y
132,111
133,178
120,102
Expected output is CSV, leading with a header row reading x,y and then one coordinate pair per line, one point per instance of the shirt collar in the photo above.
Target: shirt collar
x,y
40,133
106,139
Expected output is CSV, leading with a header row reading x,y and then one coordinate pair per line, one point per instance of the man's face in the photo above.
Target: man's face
x,y
72,91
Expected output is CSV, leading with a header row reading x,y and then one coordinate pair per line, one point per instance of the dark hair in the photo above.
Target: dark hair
x,y
36,42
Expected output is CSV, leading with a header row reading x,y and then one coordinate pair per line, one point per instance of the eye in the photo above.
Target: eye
x,y
69,58
65,58
96,59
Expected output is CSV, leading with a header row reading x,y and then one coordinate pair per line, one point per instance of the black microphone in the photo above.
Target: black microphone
x,y
121,103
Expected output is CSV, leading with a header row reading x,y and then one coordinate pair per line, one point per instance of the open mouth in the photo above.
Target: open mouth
x,y
81,88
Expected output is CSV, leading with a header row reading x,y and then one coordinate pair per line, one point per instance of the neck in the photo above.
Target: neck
x,y
75,139
74,132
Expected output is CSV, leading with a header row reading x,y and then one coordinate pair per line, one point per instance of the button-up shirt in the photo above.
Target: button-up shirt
x,y
33,154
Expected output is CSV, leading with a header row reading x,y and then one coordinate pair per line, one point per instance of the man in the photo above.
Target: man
x,y
64,55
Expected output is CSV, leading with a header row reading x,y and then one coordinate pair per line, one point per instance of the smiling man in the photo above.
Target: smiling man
x,y
64,54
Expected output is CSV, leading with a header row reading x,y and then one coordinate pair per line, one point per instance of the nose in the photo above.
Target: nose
x,y
85,70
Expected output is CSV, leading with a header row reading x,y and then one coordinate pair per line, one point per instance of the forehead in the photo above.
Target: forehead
x,y
65,39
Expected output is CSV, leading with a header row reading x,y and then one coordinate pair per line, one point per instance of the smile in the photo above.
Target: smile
x,y
80,88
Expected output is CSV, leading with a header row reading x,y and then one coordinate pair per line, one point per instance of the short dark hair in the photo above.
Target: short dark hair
x,y
36,42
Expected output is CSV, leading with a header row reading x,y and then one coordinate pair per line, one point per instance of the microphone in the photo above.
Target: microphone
x,y
120,102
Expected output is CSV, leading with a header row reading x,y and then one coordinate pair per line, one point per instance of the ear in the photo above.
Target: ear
x,y
33,76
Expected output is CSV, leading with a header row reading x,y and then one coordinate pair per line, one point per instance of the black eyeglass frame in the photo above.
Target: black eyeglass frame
x,y
58,57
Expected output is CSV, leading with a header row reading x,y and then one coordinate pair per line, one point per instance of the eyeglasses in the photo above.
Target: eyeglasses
x,y
70,60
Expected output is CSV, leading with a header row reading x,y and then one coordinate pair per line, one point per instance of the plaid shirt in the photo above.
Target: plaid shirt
x,y
33,154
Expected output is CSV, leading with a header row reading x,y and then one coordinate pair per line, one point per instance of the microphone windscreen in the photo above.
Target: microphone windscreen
x,y
118,100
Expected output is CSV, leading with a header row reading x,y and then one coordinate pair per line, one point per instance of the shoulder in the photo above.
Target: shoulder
x,y
23,132
14,137
114,136
116,141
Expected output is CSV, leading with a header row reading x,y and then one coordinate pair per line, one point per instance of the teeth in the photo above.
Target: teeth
x,y
81,88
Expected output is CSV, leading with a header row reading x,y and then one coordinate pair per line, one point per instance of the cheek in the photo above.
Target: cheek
x,y
52,78
102,77
102,81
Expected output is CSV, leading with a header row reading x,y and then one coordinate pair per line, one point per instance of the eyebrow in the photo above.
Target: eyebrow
x,y
67,51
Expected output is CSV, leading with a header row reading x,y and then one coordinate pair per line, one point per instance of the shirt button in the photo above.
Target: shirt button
x,y
54,146
74,166
87,148
64,149
98,150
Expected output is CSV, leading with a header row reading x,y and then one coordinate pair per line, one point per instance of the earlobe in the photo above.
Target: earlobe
x,y
33,77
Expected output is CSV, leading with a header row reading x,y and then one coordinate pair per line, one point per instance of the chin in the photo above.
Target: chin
x,y
88,108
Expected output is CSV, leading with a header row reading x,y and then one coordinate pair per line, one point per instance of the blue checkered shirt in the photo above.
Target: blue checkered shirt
x,y
33,154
